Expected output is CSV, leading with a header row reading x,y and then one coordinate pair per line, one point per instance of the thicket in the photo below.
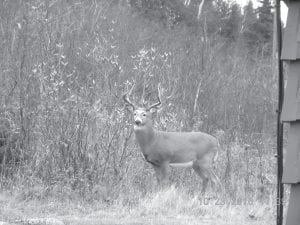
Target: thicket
x,y
65,65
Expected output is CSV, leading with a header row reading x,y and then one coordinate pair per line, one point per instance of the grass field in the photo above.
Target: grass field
x,y
168,206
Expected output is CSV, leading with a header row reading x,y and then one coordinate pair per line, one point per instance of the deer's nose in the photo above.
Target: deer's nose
x,y
138,122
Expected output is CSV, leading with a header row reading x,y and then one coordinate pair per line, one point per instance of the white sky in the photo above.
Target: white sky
x,y
256,3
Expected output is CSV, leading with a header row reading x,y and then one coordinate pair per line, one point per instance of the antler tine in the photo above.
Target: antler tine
x,y
126,99
144,103
158,99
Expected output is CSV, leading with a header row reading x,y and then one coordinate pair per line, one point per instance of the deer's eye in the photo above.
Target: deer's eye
x,y
144,114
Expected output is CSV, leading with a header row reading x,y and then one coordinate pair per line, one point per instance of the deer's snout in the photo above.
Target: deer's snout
x,y
138,122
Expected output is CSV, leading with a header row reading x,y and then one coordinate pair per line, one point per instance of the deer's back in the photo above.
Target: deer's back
x,y
184,146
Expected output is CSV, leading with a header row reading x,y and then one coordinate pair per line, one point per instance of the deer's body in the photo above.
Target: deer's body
x,y
174,147
178,149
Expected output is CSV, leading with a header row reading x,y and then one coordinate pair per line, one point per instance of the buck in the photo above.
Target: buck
x,y
176,149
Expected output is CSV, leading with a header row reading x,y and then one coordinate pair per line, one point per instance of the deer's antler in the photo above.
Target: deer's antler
x,y
158,100
125,98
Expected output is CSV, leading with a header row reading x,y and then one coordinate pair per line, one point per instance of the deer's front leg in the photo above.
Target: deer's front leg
x,y
161,172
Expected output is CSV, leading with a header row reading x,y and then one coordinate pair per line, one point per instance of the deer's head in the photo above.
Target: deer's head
x,y
142,115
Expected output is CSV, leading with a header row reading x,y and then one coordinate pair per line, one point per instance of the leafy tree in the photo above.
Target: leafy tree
x,y
231,28
167,12
248,30
257,28
265,21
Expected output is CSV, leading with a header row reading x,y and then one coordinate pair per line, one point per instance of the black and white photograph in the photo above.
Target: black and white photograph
x,y
149,112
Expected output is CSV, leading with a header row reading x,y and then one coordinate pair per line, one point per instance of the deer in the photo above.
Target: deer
x,y
173,149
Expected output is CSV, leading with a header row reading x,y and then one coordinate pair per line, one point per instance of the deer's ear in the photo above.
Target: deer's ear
x,y
154,111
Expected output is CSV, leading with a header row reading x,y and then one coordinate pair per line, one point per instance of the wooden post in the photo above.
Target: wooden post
x,y
279,123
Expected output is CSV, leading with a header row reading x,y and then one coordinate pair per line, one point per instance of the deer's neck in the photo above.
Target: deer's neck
x,y
145,136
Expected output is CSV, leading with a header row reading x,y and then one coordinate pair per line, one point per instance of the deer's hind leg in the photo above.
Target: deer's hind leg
x,y
203,167
203,173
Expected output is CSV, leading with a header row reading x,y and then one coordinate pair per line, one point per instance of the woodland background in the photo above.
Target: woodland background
x,y
64,66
